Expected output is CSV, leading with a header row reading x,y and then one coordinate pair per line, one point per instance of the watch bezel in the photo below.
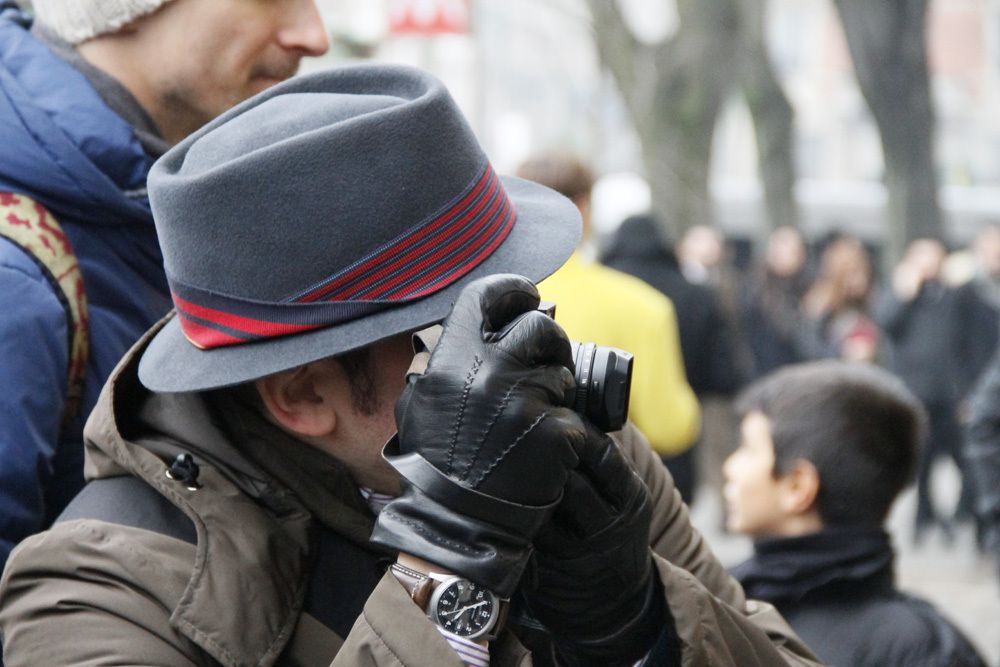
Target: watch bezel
x,y
439,591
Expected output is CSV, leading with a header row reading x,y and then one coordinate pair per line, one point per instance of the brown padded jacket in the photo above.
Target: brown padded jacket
x,y
247,580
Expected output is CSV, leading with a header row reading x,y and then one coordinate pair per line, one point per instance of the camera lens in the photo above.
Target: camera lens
x,y
603,378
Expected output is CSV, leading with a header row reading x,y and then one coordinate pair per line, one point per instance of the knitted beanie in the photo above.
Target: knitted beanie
x,y
79,20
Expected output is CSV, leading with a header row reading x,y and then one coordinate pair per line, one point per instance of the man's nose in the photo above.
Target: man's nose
x,y
304,29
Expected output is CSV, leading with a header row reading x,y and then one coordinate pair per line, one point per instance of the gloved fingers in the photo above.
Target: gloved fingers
x,y
557,432
535,339
491,303
536,456
487,305
557,382
606,468
482,307
581,513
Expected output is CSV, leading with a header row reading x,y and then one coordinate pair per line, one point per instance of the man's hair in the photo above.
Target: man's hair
x,y
562,172
857,424
358,365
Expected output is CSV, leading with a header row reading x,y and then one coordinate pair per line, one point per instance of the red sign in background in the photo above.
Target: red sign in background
x,y
428,17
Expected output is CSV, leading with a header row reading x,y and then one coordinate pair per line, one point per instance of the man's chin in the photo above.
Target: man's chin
x,y
261,83
264,78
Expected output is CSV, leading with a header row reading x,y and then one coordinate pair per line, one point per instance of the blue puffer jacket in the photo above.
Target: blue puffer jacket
x,y
61,145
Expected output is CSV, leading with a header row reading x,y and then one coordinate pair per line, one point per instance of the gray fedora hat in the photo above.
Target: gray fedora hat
x,y
327,213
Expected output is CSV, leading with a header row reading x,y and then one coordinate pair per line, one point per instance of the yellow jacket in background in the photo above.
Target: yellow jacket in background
x,y
597,304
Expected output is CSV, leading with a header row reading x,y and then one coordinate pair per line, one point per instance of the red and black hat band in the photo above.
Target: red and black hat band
x,y
422,261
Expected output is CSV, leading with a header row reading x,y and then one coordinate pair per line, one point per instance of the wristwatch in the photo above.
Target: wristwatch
x,y
460,606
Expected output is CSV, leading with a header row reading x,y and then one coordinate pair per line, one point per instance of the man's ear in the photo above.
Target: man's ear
x,y
302,400
801,488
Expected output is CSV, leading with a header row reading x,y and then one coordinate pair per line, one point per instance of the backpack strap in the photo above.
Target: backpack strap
x,y
130,501
343,573
29,226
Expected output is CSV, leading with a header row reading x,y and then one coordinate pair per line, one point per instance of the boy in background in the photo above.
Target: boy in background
x,y
825,449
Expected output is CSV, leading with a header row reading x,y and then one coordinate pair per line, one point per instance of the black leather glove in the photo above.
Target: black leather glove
x,y
485,443
594,587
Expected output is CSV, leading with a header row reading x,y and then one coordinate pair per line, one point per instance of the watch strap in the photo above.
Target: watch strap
x,y
419,585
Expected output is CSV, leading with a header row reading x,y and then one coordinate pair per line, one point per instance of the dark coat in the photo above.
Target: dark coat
x,y
925,335
980,331
836,589
707,341
772,320
982,452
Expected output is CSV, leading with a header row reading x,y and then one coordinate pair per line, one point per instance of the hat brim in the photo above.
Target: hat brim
x,y
545,234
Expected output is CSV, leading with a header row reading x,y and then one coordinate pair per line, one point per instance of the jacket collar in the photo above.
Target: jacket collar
x,y
81,160
789,569
253,531
114,94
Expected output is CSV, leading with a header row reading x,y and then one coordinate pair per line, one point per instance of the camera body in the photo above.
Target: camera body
x,y
603,381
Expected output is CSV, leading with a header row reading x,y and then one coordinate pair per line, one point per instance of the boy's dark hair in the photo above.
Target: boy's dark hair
x,y
857,424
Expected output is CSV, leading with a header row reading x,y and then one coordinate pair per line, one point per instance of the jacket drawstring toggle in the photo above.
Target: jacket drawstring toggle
x,y
185,471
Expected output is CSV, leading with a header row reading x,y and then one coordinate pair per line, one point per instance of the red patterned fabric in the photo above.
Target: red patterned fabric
x,y
31,227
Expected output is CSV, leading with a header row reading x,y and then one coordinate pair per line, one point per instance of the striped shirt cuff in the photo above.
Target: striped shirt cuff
x,y
376,501
469,652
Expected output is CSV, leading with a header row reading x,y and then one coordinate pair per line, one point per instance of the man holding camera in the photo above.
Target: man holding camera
x,y
237,451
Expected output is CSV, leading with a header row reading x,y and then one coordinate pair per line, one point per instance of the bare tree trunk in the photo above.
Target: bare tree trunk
x,y
887,42
772,119
674,92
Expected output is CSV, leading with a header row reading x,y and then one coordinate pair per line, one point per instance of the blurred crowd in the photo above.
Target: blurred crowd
x,y
931,319
825,383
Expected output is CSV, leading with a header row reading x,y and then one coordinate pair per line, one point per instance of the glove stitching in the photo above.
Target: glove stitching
x,y
507,451
489,427
469,379
431,536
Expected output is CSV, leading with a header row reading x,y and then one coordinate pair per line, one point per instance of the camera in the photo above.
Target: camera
x,y
603,381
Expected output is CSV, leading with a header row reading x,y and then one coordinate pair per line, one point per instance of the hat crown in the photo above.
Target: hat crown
x,y
310,176
327,213
274,123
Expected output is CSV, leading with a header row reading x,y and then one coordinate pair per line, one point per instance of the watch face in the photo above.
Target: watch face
x,y
464,608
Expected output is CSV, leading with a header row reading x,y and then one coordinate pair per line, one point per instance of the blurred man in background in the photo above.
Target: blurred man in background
x,y
92,93
707,339
979,300
705,260
982,452
925,325
771,318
